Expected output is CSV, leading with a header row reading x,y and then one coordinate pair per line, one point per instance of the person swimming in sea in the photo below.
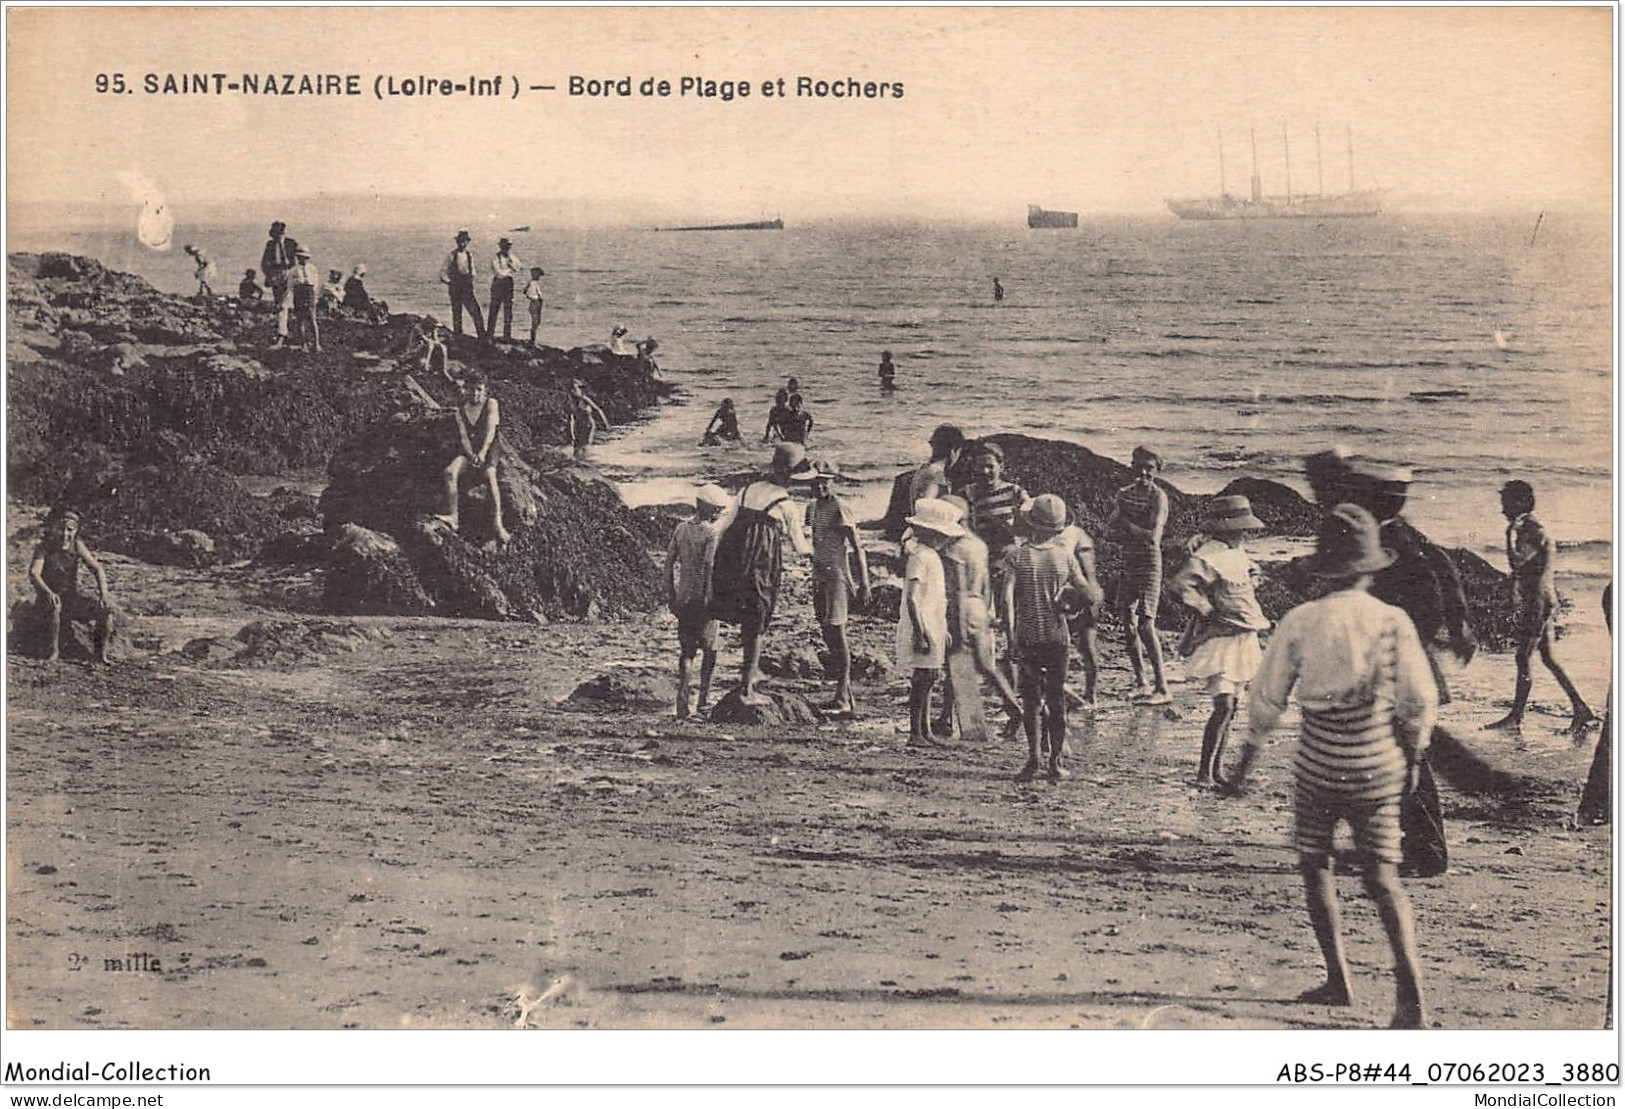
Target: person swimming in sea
x,y
888,372
724,425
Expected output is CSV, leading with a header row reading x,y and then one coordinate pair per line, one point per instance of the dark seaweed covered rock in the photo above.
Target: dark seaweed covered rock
x,y
142,409
1088,482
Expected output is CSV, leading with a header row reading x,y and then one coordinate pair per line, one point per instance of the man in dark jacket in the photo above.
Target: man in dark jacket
x,y
276,263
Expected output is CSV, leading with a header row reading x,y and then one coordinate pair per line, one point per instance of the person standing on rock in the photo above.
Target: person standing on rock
x,y
689,560
457,274
504,268
750,561
533,299
276,262
202,271
304,279
1368,699
1137,523
478,419
54,572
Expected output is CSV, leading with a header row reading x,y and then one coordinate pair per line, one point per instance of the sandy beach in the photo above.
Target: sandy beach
x,y
401,822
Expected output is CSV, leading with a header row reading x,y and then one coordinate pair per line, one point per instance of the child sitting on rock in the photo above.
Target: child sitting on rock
x,y
477,417
54,572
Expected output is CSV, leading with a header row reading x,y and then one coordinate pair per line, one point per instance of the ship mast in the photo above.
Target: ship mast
x,y
1286,149
1258,186
1320,172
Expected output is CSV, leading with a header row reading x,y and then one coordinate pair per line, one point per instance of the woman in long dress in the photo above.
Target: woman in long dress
x,y
750,561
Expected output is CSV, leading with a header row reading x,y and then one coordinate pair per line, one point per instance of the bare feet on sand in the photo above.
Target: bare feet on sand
x,y
1327,993
1511,722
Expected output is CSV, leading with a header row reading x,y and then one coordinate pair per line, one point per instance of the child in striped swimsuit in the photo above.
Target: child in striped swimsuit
x,y
1136,524
1368,699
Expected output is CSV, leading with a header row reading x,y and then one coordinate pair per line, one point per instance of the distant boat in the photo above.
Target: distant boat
x,y
1355,203
756,225
1042,217
521,227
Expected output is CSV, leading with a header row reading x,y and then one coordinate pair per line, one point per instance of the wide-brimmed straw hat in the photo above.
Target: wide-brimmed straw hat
x,y
826,467
1046,513
934,515
301,253
1228,515
1349,543
713,495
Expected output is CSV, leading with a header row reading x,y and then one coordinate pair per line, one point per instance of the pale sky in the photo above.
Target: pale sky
x,y
1101,110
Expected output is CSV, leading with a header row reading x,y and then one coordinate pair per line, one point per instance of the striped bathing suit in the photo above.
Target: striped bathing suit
x,y
1368,696
1143,506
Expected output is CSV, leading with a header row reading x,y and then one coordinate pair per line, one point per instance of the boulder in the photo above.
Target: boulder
x,y
634,688
781,710
27,634
367,572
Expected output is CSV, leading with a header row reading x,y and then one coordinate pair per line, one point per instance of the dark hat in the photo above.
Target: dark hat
x,y
1228,515
463,236
504,241
1349,543
278,227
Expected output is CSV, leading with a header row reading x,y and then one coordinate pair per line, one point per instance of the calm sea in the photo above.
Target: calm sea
x,y
1456,345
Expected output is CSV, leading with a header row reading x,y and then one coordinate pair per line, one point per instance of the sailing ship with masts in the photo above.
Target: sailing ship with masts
x,y
1356,202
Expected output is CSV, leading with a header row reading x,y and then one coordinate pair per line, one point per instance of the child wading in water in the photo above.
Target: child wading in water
x,y
54,572
1217,583
1531,552
688,592
1368,699
922,628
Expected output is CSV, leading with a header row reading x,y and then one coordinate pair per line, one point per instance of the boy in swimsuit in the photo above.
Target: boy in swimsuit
x,y
1137,523
835,547
585,417
1530,555
724,425
1368,698
477,417
54,572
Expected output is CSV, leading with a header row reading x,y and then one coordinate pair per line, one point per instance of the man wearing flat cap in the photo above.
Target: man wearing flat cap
x,y
457,274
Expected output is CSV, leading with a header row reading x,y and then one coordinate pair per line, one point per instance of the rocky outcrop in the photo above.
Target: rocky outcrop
x,y
1088,482
143,410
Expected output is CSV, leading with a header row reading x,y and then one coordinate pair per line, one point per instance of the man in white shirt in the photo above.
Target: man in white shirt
x,y
504,268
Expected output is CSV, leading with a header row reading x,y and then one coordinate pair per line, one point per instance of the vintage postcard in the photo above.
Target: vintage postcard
x,y
797,527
